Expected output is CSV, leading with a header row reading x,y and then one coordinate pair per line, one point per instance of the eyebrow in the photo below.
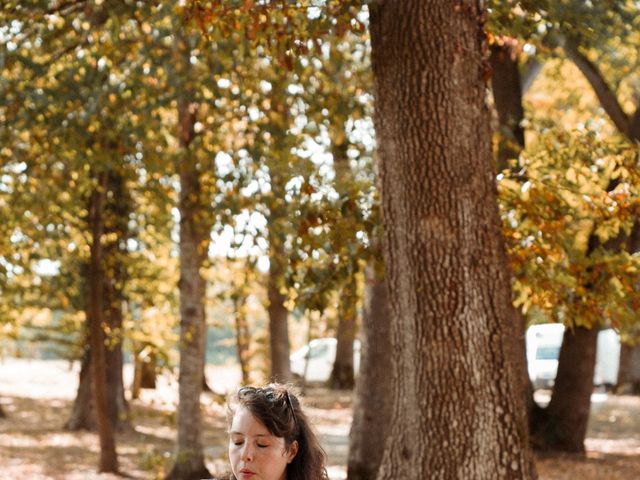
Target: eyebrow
x,y
258,435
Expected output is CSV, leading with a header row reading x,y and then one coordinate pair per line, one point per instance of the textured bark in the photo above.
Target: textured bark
x,y
507,96
194,244
458,409
567,415
193,247
342,374
629,372
373,395
96,314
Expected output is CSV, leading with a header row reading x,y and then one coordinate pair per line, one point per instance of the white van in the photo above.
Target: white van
x,y
321,354
543,349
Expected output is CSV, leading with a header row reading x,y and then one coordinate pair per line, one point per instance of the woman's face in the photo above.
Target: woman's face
x,y
254,453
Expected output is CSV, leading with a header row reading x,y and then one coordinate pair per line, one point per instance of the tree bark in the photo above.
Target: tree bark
x,y
373,395
565,419
629,372
2,414
458,409
194,244
97,322
342,374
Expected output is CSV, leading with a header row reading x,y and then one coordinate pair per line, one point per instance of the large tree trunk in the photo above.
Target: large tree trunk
x,y
373,395
342,374
97,323
564,423
629,372
194,244
458,409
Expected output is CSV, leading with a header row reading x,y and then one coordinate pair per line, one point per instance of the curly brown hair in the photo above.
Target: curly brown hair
x,y
278,407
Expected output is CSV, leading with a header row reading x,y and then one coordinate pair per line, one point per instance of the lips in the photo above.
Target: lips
x,y
246,474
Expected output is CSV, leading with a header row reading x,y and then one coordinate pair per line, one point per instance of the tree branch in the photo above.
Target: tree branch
x,y
634,127
606,96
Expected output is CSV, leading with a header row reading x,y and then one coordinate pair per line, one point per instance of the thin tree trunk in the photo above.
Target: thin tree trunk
x,y
629,371
2,414
507,87
118,208
97,322
144,371
458,409
373,395
507,96
567,415
117,406
242,335
342,374
194,243
278,315
279,223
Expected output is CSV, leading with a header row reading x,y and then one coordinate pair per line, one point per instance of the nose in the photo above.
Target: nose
x,y
247,452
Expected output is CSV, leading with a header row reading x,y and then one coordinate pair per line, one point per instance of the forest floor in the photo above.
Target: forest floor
x,y
37,397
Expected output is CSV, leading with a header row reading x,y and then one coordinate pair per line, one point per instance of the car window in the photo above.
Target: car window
x,y
318,350
547,352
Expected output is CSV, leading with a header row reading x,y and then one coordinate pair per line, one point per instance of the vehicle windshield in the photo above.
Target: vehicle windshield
x,y
547,352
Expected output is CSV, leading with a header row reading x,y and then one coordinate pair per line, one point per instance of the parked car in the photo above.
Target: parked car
x,y
320,354
543,349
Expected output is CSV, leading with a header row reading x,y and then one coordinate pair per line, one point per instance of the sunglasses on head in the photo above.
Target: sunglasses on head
x,y
270,394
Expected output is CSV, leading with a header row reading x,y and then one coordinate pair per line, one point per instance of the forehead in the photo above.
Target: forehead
x,y
246,423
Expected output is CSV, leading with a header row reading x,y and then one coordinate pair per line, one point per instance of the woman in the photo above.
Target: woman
x,y
270,437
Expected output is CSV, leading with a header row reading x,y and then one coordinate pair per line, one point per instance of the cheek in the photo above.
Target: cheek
x,y
233,453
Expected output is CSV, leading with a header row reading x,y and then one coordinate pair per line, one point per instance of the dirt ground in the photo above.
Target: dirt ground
x,y
37,397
